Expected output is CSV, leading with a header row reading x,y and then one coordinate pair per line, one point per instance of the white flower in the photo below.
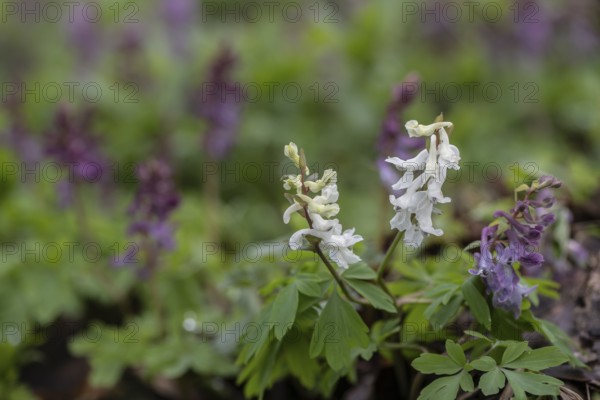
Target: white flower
x,y
416,130
333,241
291,152
416,205
328,176
409,167
320,209
338,245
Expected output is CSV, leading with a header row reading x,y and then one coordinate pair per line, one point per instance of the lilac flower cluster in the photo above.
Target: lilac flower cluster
x,y
72,144
218,102
155,199
392,139
518,243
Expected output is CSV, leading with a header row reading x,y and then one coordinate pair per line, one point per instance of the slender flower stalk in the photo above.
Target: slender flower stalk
x,y
218,102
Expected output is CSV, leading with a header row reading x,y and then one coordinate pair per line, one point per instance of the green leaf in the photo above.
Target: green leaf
x,y
484,363
359,271
253,346
477,303
536,384
556,336
283,313
445,313
445,388
105,374
456,352
521,188
295,355
466,382
310,288
478,335
381,330
374,294
261,371
513,351
504,326
538,359
473,245
429,363
491,382
338,331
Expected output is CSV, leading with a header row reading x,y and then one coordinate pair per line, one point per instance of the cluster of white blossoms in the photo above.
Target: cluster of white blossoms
x,y
422,182
318,211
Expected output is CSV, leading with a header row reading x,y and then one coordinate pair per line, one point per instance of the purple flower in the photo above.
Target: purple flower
x,y
520,242
498,274
72,144
393,139
156,196
155,199
218,101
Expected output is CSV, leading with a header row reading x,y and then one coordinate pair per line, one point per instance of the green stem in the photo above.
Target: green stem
x,y
401,372
399,361
386,261
415,387
388,255
337,278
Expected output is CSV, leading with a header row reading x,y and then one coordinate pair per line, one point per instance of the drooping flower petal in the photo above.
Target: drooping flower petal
x,y
287,215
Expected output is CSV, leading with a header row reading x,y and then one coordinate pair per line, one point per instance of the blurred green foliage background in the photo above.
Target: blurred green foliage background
x,y
345,57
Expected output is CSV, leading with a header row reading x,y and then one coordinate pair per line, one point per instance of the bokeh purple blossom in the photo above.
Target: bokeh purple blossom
x,y
393,140
218,101
154,201
75,147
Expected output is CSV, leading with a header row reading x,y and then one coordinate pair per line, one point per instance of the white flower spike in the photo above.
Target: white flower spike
x,y
415,207
334,241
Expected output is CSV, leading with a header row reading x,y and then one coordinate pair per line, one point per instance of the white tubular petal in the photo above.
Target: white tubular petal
x,y
321,223
350,239
423,215
297,239
343,257
434,189
413,237
401,220
431,166
330,194
449,154
415,129
287,215
413,164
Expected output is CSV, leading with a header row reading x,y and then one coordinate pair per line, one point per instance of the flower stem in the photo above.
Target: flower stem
x,y
386,260
338,278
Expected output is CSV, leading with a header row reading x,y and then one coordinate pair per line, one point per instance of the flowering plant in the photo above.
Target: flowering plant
x,y
325,323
